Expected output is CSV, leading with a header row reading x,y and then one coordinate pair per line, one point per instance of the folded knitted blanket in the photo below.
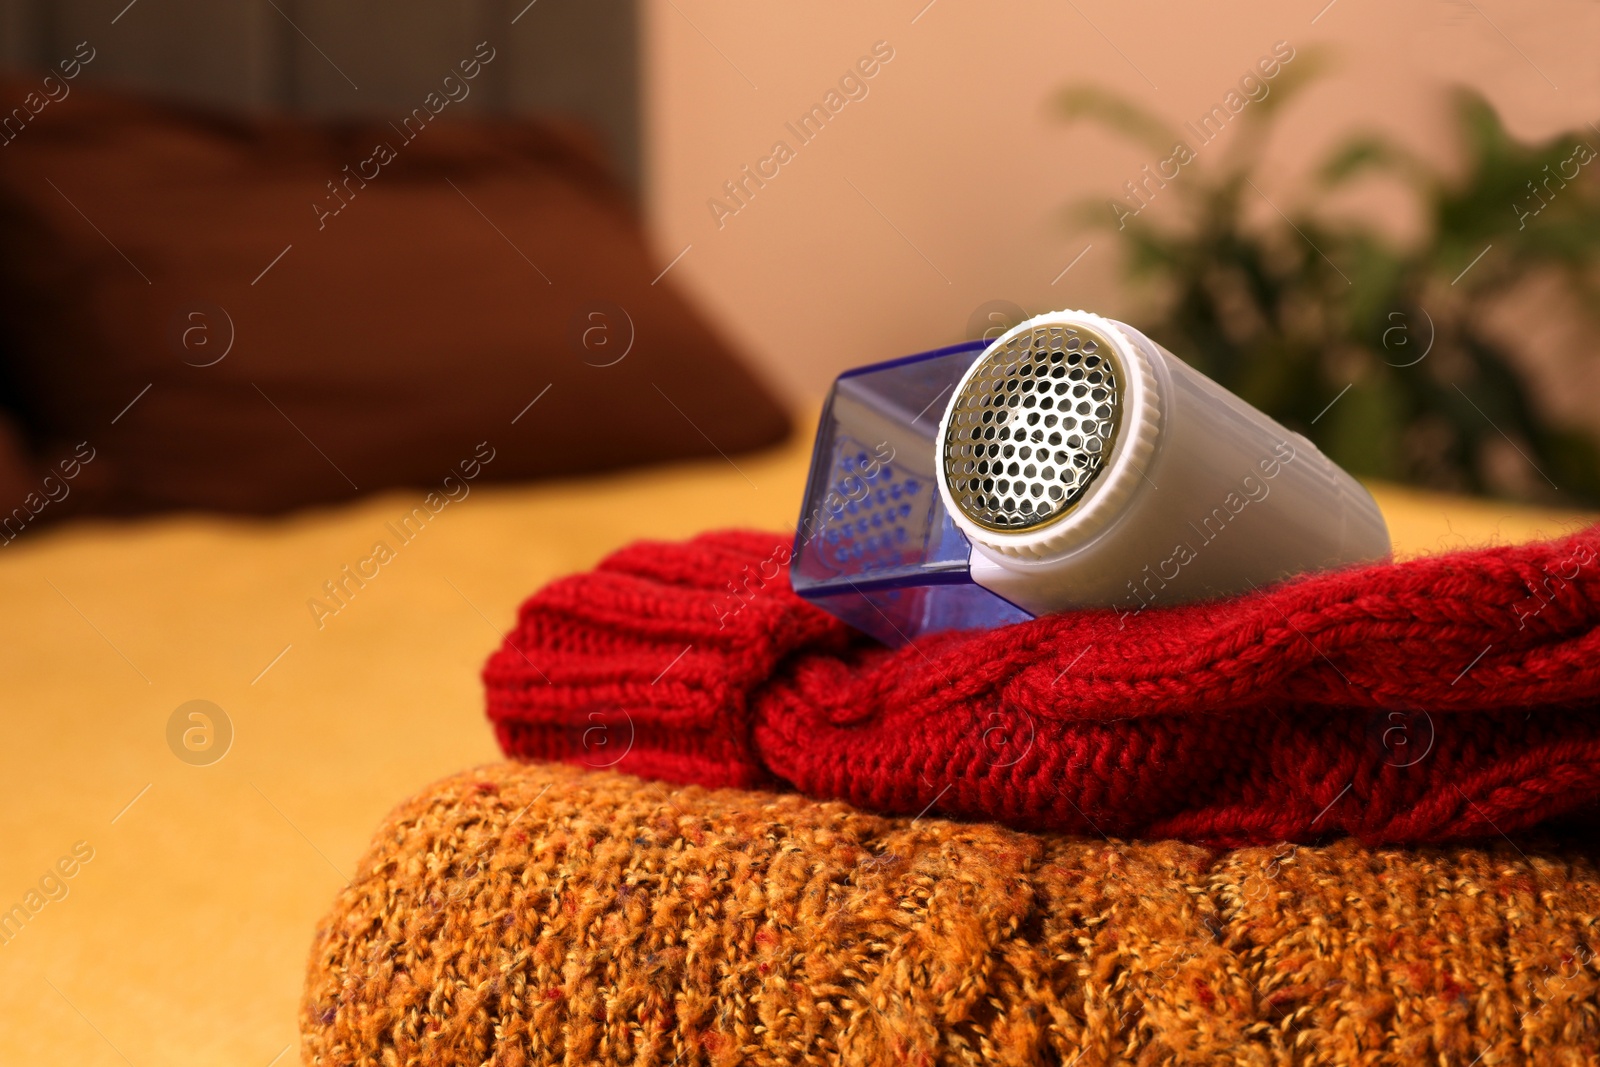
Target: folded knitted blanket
x,y
537,914
1451,696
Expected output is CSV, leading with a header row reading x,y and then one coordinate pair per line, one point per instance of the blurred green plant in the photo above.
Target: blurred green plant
x,y
1380,353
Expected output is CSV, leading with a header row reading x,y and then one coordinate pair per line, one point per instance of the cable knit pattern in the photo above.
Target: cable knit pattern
x,y
1445,697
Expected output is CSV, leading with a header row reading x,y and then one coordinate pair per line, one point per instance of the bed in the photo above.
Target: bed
x,y
182,937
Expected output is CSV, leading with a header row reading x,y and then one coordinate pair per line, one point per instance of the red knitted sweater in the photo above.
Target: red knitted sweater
x,y
1449,696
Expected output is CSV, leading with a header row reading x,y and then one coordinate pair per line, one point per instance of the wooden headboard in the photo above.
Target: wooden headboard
x,y
350,57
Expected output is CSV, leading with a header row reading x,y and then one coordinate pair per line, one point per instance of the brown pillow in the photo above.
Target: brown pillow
x,y
257,314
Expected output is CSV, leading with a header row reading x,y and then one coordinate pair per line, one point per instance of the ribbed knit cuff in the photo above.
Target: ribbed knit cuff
x,y
649,662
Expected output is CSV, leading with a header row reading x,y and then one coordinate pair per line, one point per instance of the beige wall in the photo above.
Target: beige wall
x,y
942,188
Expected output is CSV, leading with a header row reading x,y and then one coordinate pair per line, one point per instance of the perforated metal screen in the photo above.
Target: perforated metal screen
x,y
1032,427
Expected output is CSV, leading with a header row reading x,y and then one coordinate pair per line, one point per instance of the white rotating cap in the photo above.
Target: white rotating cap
x,y
1047,435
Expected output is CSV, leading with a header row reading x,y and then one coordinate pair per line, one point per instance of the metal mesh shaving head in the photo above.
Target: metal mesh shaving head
x,y
1032,427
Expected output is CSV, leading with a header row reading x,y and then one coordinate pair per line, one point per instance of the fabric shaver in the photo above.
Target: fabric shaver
x,y
1070,463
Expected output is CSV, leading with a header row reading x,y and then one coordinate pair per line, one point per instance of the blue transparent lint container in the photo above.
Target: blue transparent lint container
x,y
874,545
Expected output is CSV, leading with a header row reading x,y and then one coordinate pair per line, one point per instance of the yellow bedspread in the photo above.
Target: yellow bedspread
x,y
180,934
